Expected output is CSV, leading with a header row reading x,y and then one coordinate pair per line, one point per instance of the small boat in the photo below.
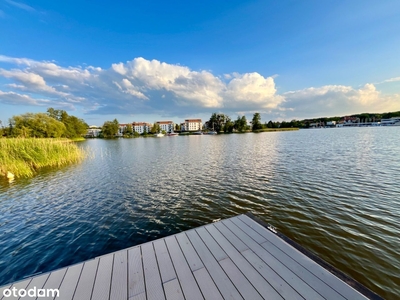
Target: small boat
x,y
173,134
159,135
212,132
197,133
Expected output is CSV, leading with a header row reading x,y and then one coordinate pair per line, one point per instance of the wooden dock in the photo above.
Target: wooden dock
x,y
236,258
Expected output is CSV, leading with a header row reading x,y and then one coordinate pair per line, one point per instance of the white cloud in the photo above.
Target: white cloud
x,y
394,79
339,100
21,5
22,99
252,90
143,86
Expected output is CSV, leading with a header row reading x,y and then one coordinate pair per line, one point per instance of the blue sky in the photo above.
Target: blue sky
x,y
159,60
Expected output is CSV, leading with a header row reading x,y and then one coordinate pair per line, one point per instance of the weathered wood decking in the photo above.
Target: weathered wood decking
x,y
235,258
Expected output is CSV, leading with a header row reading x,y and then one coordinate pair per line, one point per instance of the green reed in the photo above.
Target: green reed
x,y
24,156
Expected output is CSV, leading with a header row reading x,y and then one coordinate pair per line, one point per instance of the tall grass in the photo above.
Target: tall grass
x,y
23,157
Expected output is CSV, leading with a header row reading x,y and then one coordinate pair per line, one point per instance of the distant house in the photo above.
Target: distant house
x,y
331,123
167,126
192,125
121,129
141,127
93,131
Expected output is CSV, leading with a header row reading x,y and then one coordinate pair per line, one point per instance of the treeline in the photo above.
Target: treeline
x,y
222,122
53,124
366,117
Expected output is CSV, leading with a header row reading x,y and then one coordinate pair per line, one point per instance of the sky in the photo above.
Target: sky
x,y
173,60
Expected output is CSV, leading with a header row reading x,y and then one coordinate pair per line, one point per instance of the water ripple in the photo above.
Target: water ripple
x,y
333,191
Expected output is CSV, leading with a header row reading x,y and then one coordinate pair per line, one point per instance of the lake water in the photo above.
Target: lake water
x,y
334,191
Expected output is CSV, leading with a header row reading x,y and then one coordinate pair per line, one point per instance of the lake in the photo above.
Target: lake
x,y
334,191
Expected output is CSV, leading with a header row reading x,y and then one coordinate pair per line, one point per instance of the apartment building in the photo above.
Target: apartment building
x,y
192,125
141,127
168,126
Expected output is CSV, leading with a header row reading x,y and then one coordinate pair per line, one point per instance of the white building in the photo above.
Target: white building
x,y
121,129
168,126
141,127
331,123
192,125
93,131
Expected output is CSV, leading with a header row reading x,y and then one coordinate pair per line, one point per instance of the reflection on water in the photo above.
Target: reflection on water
x,y
334,191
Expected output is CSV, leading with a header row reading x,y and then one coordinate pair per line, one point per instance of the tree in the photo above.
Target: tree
x,y
228,126
217,121
128,130
177,127
156,128
37,125
110,128
256,122
74,127
241,124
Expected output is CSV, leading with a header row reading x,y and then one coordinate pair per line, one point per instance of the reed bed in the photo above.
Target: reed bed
x,y
23,157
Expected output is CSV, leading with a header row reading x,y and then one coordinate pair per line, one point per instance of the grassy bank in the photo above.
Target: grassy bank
x,y
22,157
276,129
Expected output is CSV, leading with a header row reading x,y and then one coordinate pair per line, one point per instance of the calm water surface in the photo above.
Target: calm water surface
x,y
334,191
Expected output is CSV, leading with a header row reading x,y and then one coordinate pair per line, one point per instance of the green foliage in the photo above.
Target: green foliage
x,y
256,122
110,128
228,126
38,125
156,128
217,121
241,124
74,127
23,157
136,134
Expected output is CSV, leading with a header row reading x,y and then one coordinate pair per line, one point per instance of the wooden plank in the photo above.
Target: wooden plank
x,y
253,234
282,270
119,279
36,282
135,273
173,290
321,273
207,285
221,235
154,288
54,282
244,287
17,286
215,249
185,276
164,261
228,235
102,283
2,289
225,286
239,280
70,281
86,283
280,285
141,296
190,254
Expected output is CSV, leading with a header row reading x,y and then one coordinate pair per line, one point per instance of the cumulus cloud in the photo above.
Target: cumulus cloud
x,y
140,86
339,100
143,86
252,90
